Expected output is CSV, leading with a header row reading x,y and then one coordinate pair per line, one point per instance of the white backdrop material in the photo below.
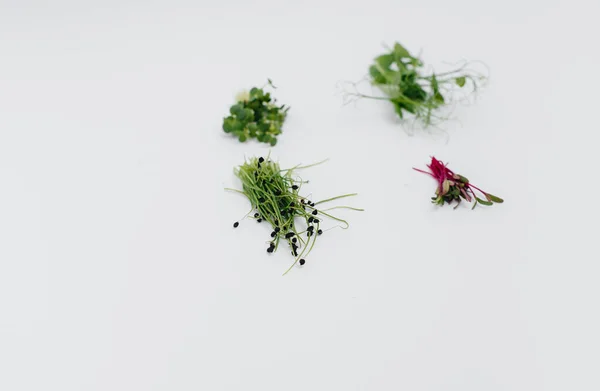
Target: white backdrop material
x,y
119,266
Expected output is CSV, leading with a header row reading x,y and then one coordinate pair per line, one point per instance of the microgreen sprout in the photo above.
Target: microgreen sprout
x,y
455,187
413,91
256,115
274,195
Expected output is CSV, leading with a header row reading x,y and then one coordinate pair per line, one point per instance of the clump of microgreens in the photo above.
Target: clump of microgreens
x,y
256,115
274,194
454,187
412,90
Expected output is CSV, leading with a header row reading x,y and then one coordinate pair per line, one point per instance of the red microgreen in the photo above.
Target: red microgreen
x,y
455,187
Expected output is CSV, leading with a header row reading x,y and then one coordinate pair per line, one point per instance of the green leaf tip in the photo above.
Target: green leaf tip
x,y
483,202
493,198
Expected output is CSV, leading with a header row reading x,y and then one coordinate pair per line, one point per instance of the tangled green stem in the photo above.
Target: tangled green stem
x,y
274,195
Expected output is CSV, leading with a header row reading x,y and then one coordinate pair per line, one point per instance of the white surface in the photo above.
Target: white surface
x,y
119,269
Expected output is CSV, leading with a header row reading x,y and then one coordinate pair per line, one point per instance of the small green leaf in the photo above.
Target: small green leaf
x,y
483,202
263,127
242,137
493,198
256,93
273,141
378,78
385,60
398,108
235,109
228,124
434,85
439,98
460,81
252,128
245,114
400,51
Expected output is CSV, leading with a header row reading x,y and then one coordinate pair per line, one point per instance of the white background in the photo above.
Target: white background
x,y
119,268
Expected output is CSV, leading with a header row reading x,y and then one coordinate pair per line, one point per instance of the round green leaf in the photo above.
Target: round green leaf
x,y
228,124
235,109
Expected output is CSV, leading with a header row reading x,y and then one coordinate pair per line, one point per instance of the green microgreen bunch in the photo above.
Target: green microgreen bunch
x,y
414,92
256,115
274,194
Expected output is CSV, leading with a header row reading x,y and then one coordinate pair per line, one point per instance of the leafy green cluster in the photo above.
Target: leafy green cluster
x,y
401,77
274,194
256,116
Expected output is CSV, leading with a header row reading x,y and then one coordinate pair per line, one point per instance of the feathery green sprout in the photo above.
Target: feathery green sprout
x,y
274,194
401,77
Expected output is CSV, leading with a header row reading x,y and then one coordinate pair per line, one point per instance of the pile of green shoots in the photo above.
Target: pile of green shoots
x,y
414,92
274,194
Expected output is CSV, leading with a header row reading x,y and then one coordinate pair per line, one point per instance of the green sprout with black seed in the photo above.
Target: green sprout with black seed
x,y
274,195
256,115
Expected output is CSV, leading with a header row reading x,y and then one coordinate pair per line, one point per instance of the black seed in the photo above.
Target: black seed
x,y
295,187
289,235
261,159
270,249
320,232
258,165
311,219
273,234
294,240
316,221
292,204
314,212
277,229
235,225
310,228
309,233
255,215
302,201
259,220
301,262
